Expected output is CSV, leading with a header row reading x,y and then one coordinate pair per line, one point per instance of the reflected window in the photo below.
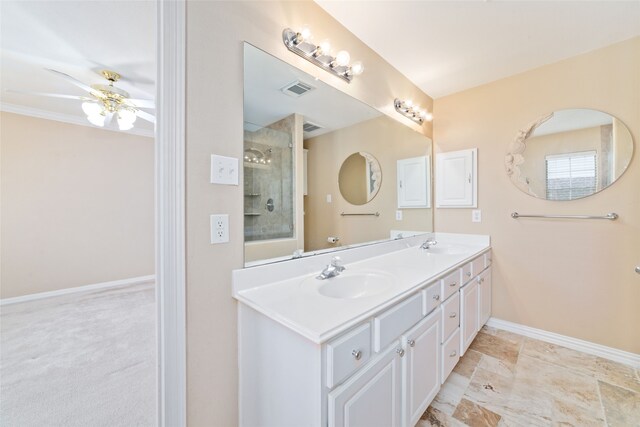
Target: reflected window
x,y
571,175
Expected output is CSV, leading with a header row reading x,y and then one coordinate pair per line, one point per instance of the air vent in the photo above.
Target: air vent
x,y
297,89
310,127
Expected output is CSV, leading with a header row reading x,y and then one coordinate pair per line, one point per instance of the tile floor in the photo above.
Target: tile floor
x,y
506,379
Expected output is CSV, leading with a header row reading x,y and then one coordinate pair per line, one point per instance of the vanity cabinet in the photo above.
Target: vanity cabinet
x,y
469,314
383,371
420,368
372,397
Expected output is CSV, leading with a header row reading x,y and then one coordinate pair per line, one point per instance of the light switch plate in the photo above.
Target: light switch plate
x,y
476,215
219,228
398,215
328,198
224,170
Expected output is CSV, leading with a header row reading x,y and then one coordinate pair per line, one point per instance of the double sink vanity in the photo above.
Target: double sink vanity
x,y
369,345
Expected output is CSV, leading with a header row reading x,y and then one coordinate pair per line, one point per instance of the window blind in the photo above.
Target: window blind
x,y
571,175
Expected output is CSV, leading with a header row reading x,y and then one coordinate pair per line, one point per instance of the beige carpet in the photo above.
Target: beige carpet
x,y
80,360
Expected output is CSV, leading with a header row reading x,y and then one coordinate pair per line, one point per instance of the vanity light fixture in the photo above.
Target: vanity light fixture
x,y
300,43
407,109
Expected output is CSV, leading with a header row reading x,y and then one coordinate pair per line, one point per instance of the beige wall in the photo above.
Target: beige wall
x,y
571,277
215,32
388,141
77,205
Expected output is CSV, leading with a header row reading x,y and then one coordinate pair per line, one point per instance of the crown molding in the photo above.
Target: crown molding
x,y
66,118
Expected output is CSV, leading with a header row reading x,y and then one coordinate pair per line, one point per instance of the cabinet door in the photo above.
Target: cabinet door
x,y
413,182
420,368
456,179
484,284
468,314
372,396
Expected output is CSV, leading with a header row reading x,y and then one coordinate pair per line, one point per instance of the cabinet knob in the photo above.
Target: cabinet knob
x,y
411,343
452,315
489,260
638,269
400,351
468,274
453,284
453,353
482,280
436,297
357,354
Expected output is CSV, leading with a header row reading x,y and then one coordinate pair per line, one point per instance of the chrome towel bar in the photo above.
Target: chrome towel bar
x,y
610,216
360,214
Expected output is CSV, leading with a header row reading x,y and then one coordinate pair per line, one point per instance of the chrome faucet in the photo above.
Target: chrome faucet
x,y
332,270
428,243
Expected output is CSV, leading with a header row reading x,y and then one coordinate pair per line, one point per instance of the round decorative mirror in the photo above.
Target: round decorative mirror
x,y
359,178
569,154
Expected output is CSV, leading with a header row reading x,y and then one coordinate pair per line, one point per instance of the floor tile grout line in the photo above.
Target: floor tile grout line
x,y
604,411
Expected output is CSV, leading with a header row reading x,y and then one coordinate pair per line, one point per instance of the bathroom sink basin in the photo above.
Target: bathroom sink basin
x,y
351,285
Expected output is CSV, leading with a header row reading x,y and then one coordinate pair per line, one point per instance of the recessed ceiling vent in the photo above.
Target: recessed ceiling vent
x,y
310,127
297,89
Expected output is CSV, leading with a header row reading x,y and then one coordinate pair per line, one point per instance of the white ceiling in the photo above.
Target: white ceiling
x,y
448,46
79,38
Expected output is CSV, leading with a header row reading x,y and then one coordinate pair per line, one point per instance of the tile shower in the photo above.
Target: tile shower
x,y
269,181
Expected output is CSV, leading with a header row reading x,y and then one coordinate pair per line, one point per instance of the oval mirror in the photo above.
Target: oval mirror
x,y
569,154
359,178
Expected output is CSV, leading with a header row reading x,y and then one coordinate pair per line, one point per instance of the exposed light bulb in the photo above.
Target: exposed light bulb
x,y
357,68
96,119
305,33
91,108
408,103
343,58
325,47
428,117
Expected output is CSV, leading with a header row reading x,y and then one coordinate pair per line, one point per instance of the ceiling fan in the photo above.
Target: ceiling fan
x,y
105,101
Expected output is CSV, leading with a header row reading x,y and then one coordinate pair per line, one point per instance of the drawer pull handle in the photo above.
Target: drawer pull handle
x,y
400,351
411,343
468,274
453,284
357,354
452,315
453,354
436,297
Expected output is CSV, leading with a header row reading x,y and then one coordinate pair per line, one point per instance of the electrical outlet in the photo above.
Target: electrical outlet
x,y
328,198
476,215
219,228
398,215
224,170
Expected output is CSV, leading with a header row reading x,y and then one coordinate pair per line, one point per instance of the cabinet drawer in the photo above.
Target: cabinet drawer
x,y
450,354
487,259
477,265
393,322
450,284
347,353
450,316
466,272
432,298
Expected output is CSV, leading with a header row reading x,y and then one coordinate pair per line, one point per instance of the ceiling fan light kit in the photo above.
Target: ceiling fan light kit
x,y
105,102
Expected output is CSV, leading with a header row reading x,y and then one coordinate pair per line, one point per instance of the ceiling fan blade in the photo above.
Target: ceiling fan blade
x,y
141,103
145,116
51,95
75,81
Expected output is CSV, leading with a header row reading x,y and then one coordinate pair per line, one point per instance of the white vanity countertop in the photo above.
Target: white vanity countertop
x,y
297,304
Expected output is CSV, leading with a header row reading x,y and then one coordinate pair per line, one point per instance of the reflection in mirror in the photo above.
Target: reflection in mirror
x,y
359,178
569,154
298,133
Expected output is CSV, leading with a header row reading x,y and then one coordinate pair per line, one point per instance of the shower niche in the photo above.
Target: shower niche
x,y
269,181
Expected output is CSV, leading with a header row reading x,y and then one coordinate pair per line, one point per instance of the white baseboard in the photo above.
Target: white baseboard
x,y
605,352
77,289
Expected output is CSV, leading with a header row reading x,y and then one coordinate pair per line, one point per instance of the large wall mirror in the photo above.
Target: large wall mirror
x,y
569,154
319,165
